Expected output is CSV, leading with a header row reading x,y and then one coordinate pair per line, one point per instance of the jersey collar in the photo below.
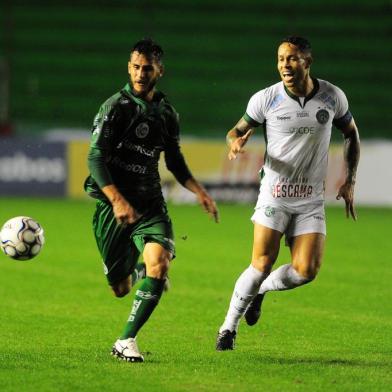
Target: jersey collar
x,y
316,87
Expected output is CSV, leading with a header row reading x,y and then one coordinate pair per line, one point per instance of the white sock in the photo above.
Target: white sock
x,y
244,290
283,278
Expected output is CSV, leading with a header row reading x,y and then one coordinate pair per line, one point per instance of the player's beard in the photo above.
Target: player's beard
x,y
145,92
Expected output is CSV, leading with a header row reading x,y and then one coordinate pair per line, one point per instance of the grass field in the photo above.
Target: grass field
x,y
58,319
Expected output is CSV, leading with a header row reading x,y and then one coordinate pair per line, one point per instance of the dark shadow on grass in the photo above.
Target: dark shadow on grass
x,y
268,359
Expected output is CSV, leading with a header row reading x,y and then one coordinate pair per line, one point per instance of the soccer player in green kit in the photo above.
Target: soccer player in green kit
x,y
130,131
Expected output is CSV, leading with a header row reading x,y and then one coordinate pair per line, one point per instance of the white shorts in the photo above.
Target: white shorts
x,y
289,223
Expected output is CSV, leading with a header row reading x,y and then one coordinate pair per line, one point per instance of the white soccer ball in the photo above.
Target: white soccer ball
x,y
21,238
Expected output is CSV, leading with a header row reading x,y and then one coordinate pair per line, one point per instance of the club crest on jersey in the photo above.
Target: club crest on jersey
x,y
269,211
142,130
124,101
322,116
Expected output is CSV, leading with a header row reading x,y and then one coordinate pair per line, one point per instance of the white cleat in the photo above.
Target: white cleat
x,y
127,350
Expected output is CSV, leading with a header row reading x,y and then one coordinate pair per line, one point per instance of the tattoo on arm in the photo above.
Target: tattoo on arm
x,y
239,130
242,127
351,151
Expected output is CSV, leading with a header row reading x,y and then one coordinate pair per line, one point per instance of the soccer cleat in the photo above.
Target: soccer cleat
x,y
127,350
253,312
225,340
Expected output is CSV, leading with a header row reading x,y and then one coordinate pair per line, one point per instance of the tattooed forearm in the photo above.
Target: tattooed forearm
x,y
239,130
351,153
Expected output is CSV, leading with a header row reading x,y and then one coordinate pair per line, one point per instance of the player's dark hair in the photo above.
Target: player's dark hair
x,y
300,42
149,48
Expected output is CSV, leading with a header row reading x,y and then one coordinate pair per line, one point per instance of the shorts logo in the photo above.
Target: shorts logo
x,y
269,211
142,130
322,116
169,240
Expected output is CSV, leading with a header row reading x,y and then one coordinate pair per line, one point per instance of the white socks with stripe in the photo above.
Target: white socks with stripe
x,y
245,289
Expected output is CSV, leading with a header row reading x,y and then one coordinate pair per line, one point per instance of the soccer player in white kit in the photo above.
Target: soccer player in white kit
x,y
297,115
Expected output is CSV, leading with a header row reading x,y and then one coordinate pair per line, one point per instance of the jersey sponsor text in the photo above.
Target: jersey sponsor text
x,y
135,147
292,190
302,130
130,167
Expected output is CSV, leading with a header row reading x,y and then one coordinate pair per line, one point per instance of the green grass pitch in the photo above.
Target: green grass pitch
x,y
58,319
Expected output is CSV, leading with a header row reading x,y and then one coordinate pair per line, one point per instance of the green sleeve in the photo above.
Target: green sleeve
x,y
103,141
174,159
97,166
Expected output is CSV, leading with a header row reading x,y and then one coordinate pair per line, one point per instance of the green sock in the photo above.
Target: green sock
x,y
138,273
146,299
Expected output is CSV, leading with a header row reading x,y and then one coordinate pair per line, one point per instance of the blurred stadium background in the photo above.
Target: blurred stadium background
x,y
60,60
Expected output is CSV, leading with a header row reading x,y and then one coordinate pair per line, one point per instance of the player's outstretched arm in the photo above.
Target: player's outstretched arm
x,y
351,159
237,137
205,200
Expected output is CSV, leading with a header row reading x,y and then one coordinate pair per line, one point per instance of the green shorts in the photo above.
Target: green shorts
x,y
120,246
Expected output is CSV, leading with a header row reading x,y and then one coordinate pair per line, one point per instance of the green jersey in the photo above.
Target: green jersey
x,y
128,137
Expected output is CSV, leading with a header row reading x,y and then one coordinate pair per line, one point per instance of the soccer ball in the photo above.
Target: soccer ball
x,y
21,238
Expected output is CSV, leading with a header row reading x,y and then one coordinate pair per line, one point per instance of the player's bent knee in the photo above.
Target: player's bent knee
x,y
157,260
263,263
159,270
308,273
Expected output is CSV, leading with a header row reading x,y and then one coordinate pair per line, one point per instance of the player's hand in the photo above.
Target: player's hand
x,y
208,205
236,146
347,192
124,213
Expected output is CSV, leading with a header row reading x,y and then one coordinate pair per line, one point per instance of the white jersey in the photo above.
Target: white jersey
x,y
297,133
